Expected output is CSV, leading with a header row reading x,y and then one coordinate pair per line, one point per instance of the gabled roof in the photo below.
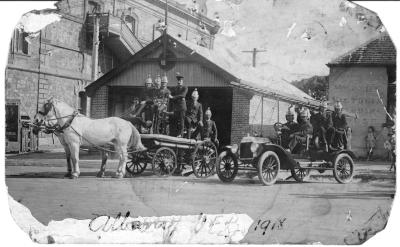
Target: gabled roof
x,y
377,51
235,73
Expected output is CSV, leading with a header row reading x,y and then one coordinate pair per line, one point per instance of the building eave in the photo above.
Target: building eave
x,y
360,64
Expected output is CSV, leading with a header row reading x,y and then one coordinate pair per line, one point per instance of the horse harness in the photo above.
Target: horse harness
x,y
57,128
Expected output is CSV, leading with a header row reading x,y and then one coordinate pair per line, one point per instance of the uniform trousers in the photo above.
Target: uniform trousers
x,y
180,121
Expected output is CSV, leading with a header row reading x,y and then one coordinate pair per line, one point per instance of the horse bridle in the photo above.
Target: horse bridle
x,y
47,107
57,127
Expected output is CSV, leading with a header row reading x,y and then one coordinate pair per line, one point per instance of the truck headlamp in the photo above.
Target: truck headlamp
x,y
234,148
254,147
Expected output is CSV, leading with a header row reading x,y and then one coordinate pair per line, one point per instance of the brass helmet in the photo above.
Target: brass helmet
x,y
305,113
290,111
157,80
195,93
324,105
208,111
164,79
338,105
149,80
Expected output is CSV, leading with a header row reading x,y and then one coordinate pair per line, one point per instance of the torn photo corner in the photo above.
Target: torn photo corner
x,y
201,122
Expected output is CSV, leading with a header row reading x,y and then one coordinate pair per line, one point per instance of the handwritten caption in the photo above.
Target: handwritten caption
x,y
215,225
270,225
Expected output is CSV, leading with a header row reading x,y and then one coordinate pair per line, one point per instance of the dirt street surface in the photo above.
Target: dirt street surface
x,y
326,211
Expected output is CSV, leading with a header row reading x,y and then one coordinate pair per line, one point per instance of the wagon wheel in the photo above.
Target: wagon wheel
x,y
343,168
137,163
204,159
299,173
227,167
164,162
268,168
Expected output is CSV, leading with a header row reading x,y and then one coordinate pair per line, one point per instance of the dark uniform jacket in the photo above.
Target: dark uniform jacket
x,y
210,130
164,93
323,120
339,121
178,98
305,128
293,127
148,95
161,94
194,111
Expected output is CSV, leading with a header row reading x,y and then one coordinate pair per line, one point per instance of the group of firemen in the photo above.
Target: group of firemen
x,y
327,130
186,119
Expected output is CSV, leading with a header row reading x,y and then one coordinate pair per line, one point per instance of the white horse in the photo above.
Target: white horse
x,y
74,130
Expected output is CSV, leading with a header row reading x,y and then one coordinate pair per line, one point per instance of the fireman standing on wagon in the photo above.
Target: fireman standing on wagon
x,y
209,128
164,90
338,138
147,97
179,104
322,124
288,128
194,115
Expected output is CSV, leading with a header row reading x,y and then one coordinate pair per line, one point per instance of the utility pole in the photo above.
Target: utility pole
x,y
165,40
254,51
262,114
95,55
95,48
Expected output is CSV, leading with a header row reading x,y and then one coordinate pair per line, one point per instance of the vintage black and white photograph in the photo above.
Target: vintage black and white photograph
x,y
201,122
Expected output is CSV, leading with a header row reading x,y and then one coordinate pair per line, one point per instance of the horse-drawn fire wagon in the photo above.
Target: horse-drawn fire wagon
x,y
167,153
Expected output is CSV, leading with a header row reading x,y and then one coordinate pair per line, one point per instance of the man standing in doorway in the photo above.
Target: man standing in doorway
x,y
210,128
179,103
194,116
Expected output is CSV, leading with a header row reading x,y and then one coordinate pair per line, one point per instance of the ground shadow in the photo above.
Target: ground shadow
x,y
350,195
60,175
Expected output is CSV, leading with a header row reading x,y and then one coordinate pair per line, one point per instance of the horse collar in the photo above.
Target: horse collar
x,y
67,123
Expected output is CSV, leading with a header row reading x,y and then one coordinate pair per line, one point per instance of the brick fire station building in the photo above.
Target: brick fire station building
x,y
58,62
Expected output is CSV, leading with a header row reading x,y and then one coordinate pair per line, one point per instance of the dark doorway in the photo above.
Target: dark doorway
x,y
121,98
220,102
82,103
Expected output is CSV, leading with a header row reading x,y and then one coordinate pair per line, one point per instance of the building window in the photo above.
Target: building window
x,y
131,21
82,103
94,7
20,43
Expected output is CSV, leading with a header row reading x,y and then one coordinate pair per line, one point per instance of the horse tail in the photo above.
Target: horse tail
x,y
135,141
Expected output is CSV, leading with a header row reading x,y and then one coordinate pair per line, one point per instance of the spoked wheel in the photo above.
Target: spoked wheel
x,y
299,174
268,168
164,162
204,159
227,167
137,163
343,168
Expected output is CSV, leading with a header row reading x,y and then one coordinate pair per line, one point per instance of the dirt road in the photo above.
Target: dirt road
x,y
319,210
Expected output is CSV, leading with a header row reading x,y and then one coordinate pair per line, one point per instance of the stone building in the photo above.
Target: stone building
x,y
354,79
58,62
221,85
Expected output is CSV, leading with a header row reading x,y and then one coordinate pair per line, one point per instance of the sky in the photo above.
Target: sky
x,y
300,36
